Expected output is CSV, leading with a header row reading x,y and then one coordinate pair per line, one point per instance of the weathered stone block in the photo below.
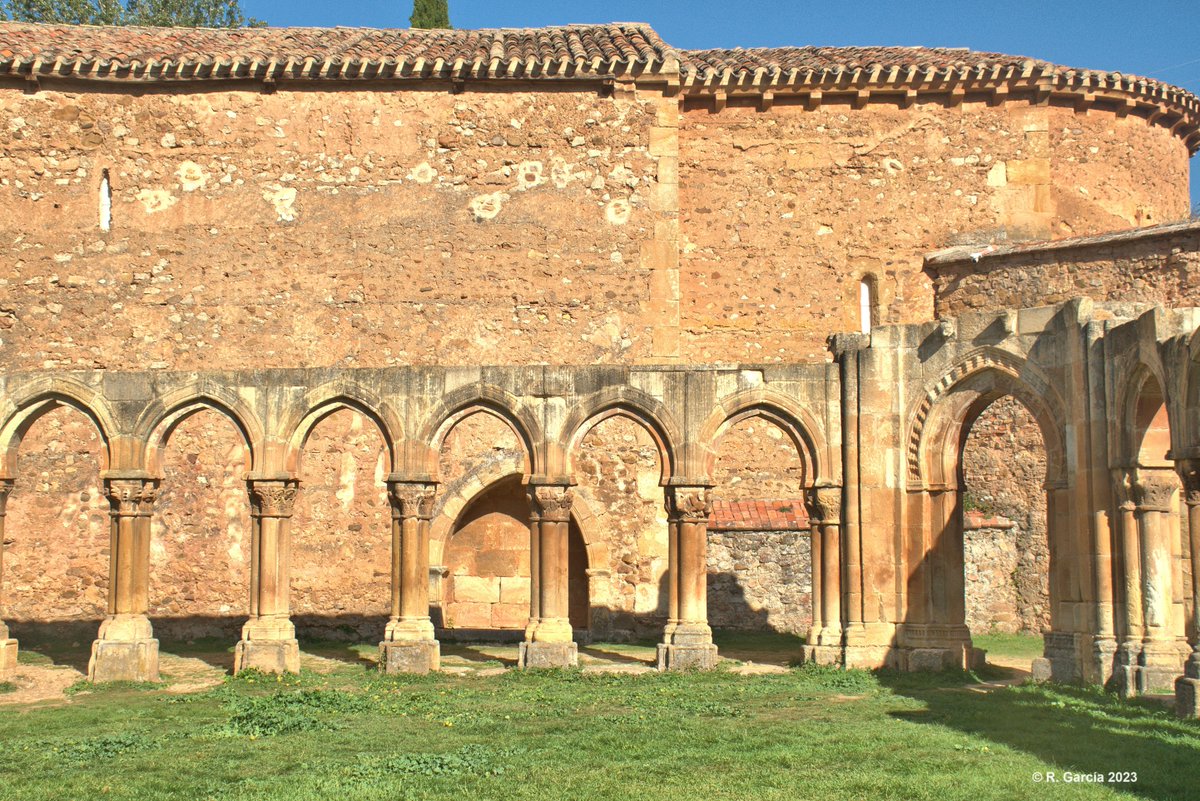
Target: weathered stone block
x,y
514,590
8,659
932,659
1187,697
410,657
548,655
268,656
117,660
687,657
477,589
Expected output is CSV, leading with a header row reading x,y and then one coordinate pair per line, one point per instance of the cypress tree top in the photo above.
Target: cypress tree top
x,y
430,14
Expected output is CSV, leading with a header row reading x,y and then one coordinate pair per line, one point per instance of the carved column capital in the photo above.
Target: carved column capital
x,y
1189,473
825,505
550,502
687,504
272,497
131,497
412,499
1152,490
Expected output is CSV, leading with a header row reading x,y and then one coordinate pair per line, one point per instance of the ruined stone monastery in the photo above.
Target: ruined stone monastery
x,y
565,334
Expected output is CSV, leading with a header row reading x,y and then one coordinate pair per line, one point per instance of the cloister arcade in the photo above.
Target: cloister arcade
x,y
879,433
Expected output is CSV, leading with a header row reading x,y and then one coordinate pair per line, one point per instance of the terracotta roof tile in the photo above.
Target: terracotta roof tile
x,y
132,52
766,515
571,51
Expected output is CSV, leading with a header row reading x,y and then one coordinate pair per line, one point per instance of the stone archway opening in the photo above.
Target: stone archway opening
x,y
56,564
1006,553
760,574
199,581
341,532
485,593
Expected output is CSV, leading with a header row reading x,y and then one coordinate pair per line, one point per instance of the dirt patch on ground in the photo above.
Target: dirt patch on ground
x,y
36,683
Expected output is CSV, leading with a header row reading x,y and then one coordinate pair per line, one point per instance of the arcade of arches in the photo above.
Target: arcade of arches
x,y
484,506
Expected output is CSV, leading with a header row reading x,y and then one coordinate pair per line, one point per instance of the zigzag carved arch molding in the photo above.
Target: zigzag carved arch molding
x,y
1030,386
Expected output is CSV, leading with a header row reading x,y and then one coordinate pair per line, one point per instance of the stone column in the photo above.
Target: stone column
x,y
825,511
409,645
126,649
1152,492
1187,686
8,646
1129,650
814,566
688,645
269,637
548,640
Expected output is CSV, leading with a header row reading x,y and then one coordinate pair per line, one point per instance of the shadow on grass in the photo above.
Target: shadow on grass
x,y
481,653
352,653
214,651
644,653
1075,729
764,647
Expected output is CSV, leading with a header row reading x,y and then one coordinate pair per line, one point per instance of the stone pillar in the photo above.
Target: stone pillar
x,y
8,646
548,639
1187,686
1129,649
409,645
825,511
814,566
269,638
1159,665
688,644
599,602
126,649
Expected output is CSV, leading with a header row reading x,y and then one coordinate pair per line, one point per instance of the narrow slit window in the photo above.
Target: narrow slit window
x,y
105,202
866,303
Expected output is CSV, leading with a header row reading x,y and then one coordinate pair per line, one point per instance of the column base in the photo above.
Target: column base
x,y
548,655
1124,679
1103,665
1158,668
869,657
824,655
413,656
1187,698
267,656
8,658
1063,657
699,656
123,660
124,650
409,630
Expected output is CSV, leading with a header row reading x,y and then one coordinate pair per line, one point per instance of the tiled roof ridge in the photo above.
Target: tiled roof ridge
x,y
975,253
37,51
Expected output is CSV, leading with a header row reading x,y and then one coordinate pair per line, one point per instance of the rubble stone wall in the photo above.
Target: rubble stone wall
x,y
1007,568
1162,268
782,212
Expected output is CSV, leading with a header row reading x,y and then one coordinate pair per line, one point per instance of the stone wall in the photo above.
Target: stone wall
x,y
760,580
1152,266
783,212
325,228
1006,552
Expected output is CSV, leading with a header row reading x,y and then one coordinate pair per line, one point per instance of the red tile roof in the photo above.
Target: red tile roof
x,y
571,51
777,515
328,53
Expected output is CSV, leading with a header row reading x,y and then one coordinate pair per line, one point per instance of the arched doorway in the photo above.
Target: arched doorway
x,y
1015,455
486,591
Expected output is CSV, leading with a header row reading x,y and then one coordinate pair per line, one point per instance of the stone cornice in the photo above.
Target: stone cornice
x,y
623,51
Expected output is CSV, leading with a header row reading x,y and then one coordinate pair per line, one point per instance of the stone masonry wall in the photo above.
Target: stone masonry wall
x,y
760,580
782,212
1007,569
1152,269
325,228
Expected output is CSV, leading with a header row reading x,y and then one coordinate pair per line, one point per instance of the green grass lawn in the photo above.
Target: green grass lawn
x,y
805,733
1015,646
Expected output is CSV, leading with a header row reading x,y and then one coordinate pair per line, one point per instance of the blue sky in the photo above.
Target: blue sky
x,y
1156,38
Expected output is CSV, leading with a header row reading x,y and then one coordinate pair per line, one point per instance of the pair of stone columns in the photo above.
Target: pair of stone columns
x,y
125,649
1149,652
1187,686
269,637
687,638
